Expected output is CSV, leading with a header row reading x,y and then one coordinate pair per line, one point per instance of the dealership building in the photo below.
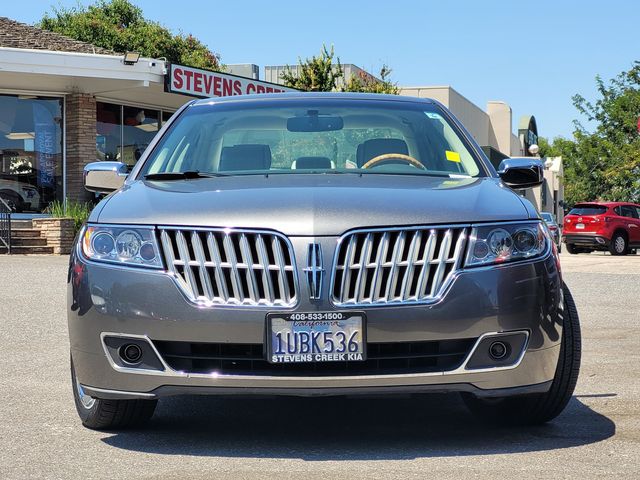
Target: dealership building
x,y
65,103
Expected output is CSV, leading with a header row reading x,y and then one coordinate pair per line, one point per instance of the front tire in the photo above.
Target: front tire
x,y
103,414
540,408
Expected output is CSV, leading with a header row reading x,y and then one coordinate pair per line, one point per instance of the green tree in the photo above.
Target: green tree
x,y
120,26
315,74
604,164
366,83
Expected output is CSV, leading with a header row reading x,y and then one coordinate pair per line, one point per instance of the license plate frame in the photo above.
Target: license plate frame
x,y
331,322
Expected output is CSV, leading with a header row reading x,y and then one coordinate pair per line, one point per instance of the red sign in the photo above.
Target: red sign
x,y
205,83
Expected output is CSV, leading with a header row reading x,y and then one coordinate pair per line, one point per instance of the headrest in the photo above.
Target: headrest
x,y
245,157
312,162
379,146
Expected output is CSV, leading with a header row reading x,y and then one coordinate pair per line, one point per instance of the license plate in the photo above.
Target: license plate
x,y
580,226
316,337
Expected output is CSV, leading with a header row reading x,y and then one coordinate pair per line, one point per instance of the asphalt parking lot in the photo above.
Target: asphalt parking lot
x,y
598,436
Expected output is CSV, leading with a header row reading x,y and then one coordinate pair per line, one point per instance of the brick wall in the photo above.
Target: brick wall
x,y
59,233
81,142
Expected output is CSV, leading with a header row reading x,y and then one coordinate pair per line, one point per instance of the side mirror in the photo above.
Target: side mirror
x,y
521,172
104,177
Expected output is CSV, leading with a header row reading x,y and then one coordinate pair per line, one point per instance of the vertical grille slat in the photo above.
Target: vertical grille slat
x,y
282,269
445,246
362,268
348,263
411,261
392,279
381,254
183,251
214,252
247,259
266,271
198,250
230,253
396,266
231,267
429,252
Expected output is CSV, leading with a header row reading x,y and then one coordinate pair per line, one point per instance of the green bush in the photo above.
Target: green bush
x,y
78,211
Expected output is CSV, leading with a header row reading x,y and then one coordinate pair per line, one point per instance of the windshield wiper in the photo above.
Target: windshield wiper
x,y
181,175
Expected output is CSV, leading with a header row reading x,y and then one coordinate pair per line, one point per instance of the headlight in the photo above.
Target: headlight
x,y
493,244
122,245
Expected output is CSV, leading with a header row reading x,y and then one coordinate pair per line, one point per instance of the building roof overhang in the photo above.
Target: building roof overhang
x,y
96,74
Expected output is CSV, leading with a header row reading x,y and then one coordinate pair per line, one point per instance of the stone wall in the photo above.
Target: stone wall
x,y
81,142
59,233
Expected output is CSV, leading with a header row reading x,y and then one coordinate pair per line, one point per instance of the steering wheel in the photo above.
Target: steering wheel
x,y
400,156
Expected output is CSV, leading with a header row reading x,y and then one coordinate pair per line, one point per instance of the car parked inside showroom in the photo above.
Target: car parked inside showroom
x,y
603,226
19,196
312,245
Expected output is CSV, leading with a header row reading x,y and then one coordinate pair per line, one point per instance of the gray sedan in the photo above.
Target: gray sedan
x,y
318,244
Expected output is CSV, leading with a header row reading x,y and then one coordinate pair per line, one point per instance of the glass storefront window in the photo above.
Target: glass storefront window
x,y
140,126
166,116
30,151
108,131
123,132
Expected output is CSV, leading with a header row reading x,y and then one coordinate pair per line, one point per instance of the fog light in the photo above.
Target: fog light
x,y
600,240
498,350
130,353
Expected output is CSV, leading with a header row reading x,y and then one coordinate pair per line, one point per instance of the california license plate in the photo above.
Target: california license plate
x,y
316,337
580,226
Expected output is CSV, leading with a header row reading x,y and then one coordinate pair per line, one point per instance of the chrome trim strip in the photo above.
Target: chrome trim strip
x,y
169,372
118,392
427,261
254,270
463,368
377,298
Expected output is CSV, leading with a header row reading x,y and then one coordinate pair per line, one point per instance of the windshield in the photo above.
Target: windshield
x,y
547,217
313,137
587,210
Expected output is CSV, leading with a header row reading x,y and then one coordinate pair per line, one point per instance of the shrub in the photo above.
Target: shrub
x,y
78,211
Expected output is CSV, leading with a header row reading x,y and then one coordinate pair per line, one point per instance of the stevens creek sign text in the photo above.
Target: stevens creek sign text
x,y
204,83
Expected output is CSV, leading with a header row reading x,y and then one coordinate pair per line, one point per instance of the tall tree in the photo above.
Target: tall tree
x,y
322,73
120,26
604,163
315,74
367,83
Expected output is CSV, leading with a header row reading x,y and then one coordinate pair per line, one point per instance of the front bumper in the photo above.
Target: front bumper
x,y
520,297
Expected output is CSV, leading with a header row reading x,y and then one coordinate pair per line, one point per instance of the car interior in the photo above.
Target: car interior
x,y
290,140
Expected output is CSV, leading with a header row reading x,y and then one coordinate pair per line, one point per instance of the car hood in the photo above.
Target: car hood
x,y
312,205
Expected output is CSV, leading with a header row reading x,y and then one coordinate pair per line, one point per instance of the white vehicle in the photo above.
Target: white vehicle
x,y
19,196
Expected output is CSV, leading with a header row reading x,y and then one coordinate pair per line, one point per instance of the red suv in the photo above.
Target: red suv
x,y
613,226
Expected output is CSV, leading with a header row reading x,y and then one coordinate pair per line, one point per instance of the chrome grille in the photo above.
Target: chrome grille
x,y
231,267
380,267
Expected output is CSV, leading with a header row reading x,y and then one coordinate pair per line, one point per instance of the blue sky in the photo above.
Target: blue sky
x,y
533,55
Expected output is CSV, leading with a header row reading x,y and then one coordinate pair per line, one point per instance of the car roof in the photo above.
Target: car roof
x,y
606,204
265,97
